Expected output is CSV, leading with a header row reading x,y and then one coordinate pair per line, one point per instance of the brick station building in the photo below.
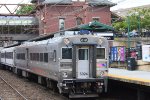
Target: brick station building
x,y
56,15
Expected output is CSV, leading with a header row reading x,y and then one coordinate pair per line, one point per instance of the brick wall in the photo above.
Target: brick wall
x,y
49,16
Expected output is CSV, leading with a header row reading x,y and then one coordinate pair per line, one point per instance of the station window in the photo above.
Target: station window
x,y
66,53
79,21
95,19
61,23
100,53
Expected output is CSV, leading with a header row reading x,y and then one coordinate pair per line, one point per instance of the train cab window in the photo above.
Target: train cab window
x,y
66,53
100,53
45,57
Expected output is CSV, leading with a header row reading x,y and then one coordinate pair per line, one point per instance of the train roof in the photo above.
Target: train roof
x,y
55,39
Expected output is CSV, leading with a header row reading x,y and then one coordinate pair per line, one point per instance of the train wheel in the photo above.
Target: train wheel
x,y
19,72
52,85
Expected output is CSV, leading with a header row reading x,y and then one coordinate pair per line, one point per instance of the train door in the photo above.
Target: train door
x,y
82,62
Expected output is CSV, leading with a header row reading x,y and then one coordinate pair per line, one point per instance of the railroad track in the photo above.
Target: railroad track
x,y
9,85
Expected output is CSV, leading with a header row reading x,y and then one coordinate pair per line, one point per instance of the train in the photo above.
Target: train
x,y
76,64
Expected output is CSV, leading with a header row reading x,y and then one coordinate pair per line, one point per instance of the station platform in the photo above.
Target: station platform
x,y
135,76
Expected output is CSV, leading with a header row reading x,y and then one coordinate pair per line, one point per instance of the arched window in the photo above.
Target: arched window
x,y
78,20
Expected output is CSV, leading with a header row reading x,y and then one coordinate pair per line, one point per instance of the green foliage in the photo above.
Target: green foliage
x,y
120,26
25,9
136,17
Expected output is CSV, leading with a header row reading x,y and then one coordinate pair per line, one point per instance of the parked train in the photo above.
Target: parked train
x,y
78,64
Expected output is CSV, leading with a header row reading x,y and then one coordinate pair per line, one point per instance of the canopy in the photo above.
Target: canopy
x,y
95,26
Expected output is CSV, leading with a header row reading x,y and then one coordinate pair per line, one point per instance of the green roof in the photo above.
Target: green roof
x,y
95,25
100,2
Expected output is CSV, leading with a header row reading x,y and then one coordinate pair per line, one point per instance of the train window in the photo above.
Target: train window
x,y
9,55
37,57
2,55
83,54
21,56
41,57
66,53
34,56
54,55
45,57
100,53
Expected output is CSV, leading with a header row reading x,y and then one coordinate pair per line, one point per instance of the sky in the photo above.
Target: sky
x,y
129,3
121,4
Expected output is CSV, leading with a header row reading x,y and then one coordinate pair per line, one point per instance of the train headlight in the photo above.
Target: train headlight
x,y
66,41
65,74
101,73
100,41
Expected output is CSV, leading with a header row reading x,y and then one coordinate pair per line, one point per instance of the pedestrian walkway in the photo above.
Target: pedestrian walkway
x,y
137,77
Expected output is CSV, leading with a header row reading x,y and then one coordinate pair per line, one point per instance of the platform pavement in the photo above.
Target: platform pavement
x,y
135,76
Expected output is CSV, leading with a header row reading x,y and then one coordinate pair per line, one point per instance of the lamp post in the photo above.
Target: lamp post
x,y
139,22
139,25
128,21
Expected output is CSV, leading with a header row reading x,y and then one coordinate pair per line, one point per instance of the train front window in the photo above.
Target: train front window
x,y
100,53
66,53
83,54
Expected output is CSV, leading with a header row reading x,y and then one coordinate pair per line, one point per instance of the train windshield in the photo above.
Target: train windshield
x,y
83,54
66,53
100,53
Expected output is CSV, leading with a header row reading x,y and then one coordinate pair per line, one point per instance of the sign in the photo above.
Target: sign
x,y
118,53
133,52
146,53
121,53
108,36
114,53
84,40
84,32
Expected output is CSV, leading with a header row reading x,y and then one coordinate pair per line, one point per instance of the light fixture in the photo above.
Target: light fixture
x,y
100,41
65,74
66,41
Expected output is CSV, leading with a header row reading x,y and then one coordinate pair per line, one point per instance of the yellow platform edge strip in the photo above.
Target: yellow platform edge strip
x,y
129,78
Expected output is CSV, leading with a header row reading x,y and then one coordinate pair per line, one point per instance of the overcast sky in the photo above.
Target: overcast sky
x,y
121,4
129,3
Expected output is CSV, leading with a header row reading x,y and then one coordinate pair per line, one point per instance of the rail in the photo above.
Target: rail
x,y
13,88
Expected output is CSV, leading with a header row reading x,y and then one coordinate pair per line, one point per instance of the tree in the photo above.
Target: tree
x,y
120,26
136,16
25,9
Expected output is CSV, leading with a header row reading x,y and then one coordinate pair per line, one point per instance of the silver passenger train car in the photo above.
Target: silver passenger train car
x,y
78,64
